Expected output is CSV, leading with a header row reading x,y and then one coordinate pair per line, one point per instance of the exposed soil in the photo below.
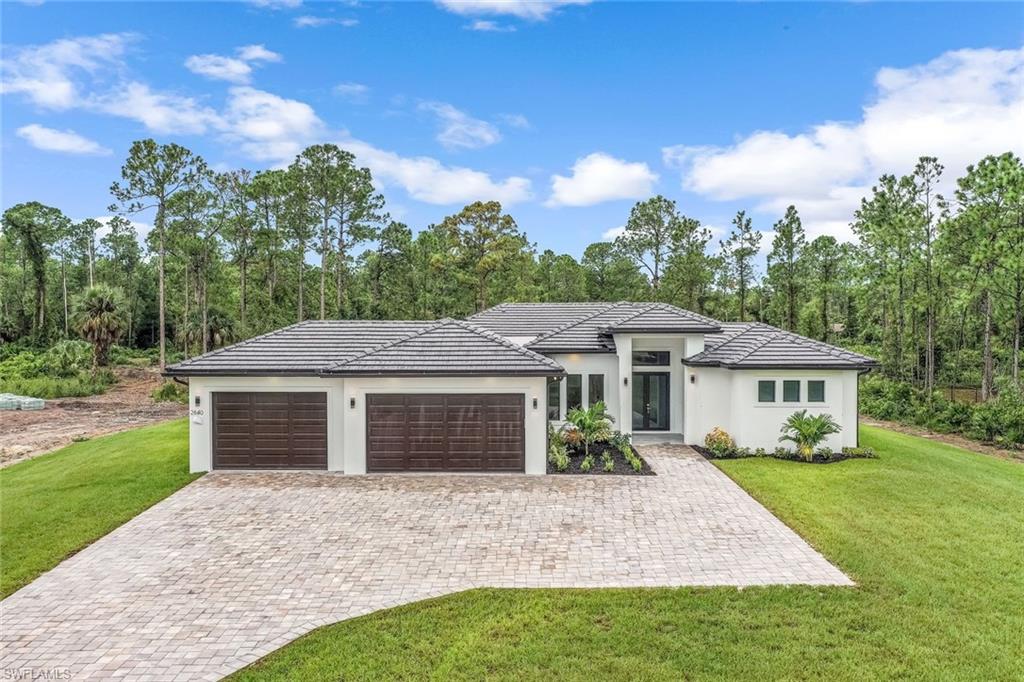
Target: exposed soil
x,y
816,458
27,434
622,467
948,438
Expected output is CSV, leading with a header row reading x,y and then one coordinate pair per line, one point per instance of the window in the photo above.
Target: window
x,y
573,391
816,391
766,391
595,388
650,357
790,391
554,395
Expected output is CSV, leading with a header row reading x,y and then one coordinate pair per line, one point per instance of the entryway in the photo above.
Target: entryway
x,y
650,401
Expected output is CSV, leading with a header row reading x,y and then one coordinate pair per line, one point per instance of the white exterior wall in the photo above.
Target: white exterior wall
x,y
201,416
354,419
728,399
346,426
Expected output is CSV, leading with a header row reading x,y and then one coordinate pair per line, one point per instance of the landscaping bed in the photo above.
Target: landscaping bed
x,y
819,457
620,465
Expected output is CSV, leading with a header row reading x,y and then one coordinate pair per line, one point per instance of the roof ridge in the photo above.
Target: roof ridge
x,y
824,346
573,323
240,343
752,350
388,344
645,307
522,350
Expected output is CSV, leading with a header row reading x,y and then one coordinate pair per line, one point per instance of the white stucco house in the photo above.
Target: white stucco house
x,y
477,395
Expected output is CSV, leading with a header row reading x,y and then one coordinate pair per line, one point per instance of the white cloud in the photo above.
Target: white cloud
x,y
67,141
599,177
488,26
268,127
459,129
536,10
354,92
46,74
218,67
614,233
428,180
515,121
258,53
959,107
310,21
231,69
161,112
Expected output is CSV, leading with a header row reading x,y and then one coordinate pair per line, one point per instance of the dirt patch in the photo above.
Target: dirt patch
x,y
126,405
948,438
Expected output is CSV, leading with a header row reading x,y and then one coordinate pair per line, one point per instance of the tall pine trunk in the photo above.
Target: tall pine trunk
x,y
64,287
160,269
242,290
987,369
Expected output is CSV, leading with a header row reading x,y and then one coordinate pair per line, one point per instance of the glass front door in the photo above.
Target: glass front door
x,y
650,401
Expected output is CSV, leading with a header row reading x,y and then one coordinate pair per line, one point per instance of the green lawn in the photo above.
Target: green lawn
x,y
54,505
934,536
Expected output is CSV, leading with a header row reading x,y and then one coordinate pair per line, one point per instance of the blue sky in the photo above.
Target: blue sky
x,y
568,113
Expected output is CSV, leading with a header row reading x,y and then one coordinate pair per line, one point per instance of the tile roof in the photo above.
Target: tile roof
x,y
754,345
661,317
446,348
593,333
532,319
314,348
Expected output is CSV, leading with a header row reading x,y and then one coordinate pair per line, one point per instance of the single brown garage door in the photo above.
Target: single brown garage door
x,y
445,432
269,430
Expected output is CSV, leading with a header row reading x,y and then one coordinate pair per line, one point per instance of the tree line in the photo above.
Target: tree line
x,y
933,285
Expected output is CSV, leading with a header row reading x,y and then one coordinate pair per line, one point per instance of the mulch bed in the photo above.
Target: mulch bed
x,y
622,467
831,458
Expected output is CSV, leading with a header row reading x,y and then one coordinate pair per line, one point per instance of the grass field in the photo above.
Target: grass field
x,y
933,535
54,505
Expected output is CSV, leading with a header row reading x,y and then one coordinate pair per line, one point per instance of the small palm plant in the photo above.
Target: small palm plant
x,y
593,424
807,431
99,318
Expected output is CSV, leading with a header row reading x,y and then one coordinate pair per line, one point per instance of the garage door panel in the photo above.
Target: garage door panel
x,y
274,430
445,432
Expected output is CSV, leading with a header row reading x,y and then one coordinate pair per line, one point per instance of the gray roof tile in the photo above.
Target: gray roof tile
x,y
449,347
753,345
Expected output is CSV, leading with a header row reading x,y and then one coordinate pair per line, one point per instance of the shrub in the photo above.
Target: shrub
x,y
170,392
571,437
719,442
806,431
587,464
67,358
859,452
760,452
58,387
609,463
593,423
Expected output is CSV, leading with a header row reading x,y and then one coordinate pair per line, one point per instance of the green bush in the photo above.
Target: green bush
x,y
719,442
170,392
1000,420
58,387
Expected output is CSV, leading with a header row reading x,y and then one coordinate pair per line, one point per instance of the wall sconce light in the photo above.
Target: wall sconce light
x,y
693,378
197,401
535,402
625,381
352,403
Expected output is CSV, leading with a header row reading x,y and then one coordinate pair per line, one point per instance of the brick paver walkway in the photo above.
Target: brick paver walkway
x,y
236,565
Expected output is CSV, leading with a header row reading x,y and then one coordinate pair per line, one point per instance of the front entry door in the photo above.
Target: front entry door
x,y
650,401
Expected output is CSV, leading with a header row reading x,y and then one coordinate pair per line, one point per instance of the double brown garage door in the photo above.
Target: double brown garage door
x,y
445,432
269,430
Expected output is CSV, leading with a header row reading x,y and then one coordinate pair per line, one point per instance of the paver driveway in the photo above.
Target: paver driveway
x,y
235,565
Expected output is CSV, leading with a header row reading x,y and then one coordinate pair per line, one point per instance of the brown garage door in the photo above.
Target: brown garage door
x,y
269,430
445,432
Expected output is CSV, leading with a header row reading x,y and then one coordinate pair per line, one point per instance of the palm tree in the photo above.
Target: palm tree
x,y
99,318
593,423
806,432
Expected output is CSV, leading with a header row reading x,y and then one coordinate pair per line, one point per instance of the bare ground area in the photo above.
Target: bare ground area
x,y
126,405
948,438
